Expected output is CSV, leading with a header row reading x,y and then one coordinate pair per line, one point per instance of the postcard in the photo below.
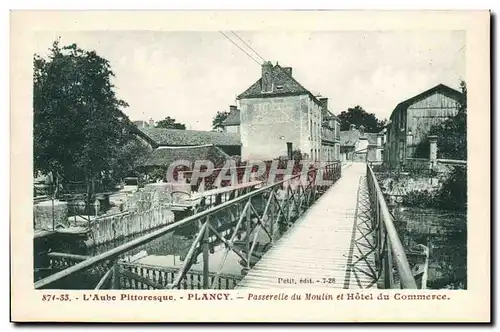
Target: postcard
x,y
250,166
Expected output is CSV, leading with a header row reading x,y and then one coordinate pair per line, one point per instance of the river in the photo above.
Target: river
x,y
445,235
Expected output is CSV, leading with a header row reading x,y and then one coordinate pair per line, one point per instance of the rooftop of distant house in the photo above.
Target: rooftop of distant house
x,y
353,135
233,118
143,124
163,156
179,137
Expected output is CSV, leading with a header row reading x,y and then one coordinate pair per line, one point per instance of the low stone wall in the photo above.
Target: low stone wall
x,y
129,223
404,185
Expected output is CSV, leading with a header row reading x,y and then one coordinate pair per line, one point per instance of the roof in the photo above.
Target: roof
x,y
179,137
289,86
141,123
327,115
444,89
164,156
350,137
372,138
233,118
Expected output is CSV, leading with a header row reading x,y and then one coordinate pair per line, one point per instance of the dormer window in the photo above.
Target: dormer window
x,y
279,87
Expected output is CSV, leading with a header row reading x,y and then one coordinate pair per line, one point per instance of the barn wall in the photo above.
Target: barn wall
x,y
428,112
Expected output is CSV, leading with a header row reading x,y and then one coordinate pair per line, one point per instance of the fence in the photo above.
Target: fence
x,y
113,227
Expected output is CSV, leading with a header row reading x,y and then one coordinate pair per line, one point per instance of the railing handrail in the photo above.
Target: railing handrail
x,y
108,255
452,161
402,265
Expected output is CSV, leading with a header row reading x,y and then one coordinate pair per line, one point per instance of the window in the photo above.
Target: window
x,y
279,87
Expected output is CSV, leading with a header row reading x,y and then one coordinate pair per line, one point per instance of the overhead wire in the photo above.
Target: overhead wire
x,y
232,41
250,47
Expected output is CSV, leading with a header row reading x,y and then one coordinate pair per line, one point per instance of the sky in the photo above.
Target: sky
x,y
191,75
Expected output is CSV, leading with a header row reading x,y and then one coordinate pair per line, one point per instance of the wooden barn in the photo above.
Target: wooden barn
x,y
412,119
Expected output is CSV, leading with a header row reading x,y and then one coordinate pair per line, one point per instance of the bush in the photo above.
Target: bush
x,y
451,196
417,198
453,193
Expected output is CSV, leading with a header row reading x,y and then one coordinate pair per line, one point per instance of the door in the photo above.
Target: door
x,y
289,149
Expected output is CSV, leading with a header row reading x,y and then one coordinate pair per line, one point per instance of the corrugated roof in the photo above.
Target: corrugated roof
x,y
233,118
164,156
179,137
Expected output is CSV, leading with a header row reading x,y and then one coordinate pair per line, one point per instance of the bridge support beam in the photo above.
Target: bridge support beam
x,y
206,281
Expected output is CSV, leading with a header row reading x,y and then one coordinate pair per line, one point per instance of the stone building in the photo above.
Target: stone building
x,y
144,124
412,119
360,146
232,122
279,116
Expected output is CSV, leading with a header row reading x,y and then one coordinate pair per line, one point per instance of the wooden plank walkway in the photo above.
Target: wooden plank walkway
x,y
330,246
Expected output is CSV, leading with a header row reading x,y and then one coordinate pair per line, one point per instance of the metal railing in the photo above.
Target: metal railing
x,y
390,251
235,223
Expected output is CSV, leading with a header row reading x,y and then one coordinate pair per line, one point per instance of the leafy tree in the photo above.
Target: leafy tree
x,y
78,123
129,157
219,118
451,134
170,123
358,116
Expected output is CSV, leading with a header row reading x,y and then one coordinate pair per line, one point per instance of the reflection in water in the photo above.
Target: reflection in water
x,y
232,264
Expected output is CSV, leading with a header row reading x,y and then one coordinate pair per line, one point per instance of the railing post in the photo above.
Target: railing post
x,y
115,281
272,207
205,256
389,275
248,226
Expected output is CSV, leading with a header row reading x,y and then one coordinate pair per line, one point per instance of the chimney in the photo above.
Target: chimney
x,y
233,108
151,122
352,127
288,70
324,103
362,130
267,68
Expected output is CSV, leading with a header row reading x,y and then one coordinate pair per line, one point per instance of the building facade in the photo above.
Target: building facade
x,y
359,146
279,116
412,119
232,122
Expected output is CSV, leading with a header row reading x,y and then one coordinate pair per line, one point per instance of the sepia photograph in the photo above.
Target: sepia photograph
x,y
237,160
113,111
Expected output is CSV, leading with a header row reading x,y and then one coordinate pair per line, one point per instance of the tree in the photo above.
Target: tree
x,y
78,123
358,116
219,118
129,157
451,134
170,123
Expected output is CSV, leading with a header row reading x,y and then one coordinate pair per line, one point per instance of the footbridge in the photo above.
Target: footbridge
x,y
296,233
